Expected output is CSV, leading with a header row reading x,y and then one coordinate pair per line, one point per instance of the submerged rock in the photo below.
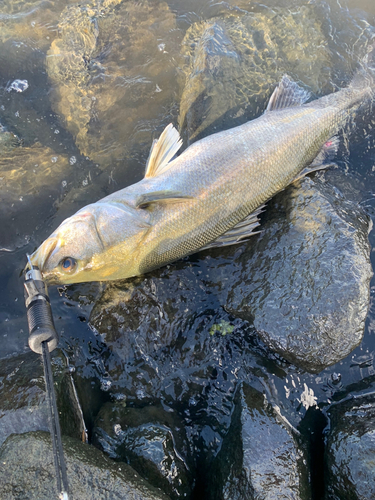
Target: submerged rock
x,y
304,284
149,439
27,174
233,63
350,450
27,470
260,456
111,66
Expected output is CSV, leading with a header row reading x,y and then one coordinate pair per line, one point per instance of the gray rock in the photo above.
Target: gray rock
x,y
260,456
27,471
149,439
23,404
350,450
304,283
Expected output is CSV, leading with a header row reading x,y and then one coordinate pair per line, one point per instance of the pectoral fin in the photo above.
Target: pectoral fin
x,y
240,232
145,200
287,94
162,151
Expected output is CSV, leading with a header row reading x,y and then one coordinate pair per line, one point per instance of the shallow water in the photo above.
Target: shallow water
x,y
50,175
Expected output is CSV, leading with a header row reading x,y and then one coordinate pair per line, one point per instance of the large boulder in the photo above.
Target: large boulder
x,y
261,456
151,440
350,450
23,403
304,283
27,471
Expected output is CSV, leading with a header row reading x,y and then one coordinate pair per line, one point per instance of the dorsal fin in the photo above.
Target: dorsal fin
x,y
162,151
287,94
240,232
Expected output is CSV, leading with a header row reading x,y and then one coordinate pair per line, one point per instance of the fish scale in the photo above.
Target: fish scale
x,y
210,195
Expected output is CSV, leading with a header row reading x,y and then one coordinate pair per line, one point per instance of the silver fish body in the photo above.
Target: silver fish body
x,y
184,204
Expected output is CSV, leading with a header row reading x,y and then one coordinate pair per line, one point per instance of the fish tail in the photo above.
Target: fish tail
x,y
364,79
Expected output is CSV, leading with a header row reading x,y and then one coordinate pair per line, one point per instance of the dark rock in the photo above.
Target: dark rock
x,y
27,471
23,404
149,439
260,457
304,283
350,450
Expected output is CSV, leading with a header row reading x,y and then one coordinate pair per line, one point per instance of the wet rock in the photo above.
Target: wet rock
x,y
233,63
112,57
350,450
304,284
28,174
27,471
158,349
149,439
23,404
260,457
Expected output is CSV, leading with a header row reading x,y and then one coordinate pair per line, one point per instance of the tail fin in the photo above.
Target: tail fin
x,y
364,78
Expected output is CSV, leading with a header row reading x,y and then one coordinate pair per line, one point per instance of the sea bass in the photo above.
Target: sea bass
x,y
210,195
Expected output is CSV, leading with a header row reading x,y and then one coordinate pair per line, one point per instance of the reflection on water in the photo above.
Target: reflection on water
x,y
103,80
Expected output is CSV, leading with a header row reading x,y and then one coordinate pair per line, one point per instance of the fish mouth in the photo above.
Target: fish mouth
x,y
43,253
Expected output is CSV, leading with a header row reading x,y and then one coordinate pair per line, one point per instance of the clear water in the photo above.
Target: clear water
x,y
48,178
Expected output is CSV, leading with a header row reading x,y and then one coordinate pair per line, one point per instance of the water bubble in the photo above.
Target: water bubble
x,y
18,86
17,114
105,385
57,131
72,160
161,47
54,159
85,182
64,184
140,393
117,429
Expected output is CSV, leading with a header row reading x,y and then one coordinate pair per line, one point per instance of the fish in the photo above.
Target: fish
x,y
211,195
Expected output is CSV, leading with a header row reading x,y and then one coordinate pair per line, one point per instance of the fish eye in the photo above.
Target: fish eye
x,y
68,264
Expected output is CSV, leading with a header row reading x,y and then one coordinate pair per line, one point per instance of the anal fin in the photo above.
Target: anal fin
x,y
323,159
238,233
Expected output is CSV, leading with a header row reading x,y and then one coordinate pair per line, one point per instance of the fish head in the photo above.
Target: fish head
x,y
85,247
